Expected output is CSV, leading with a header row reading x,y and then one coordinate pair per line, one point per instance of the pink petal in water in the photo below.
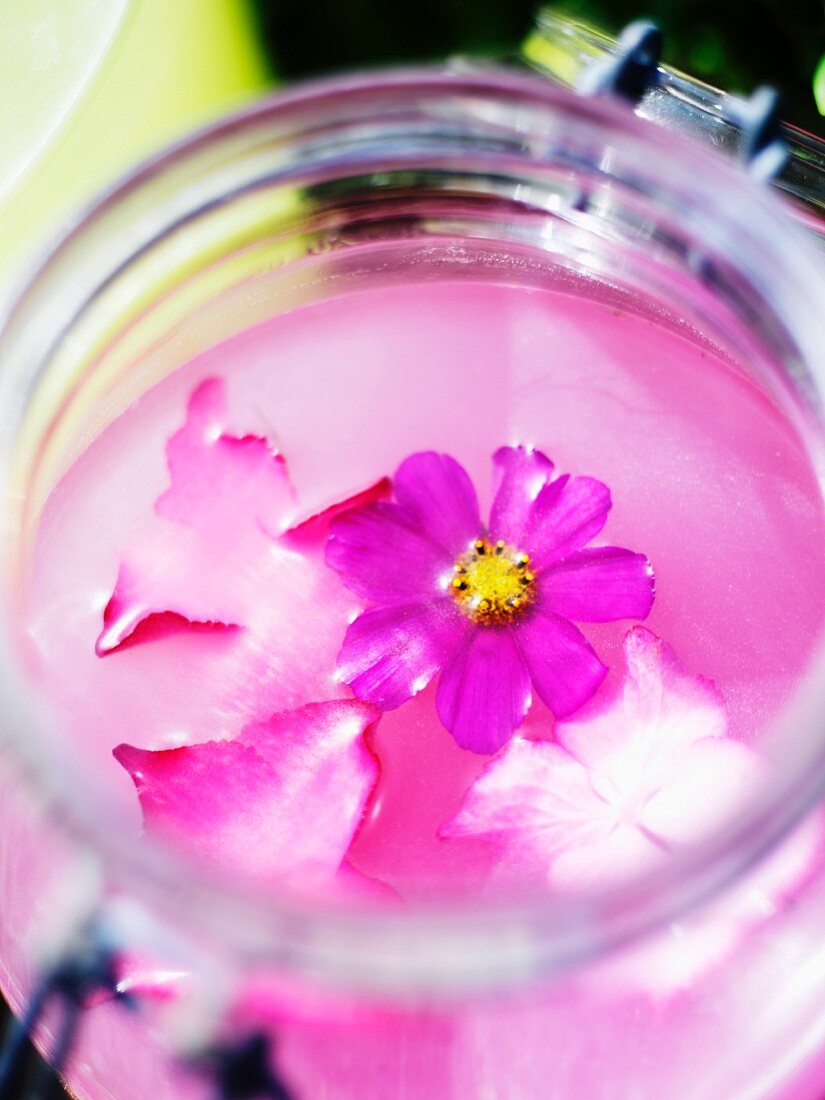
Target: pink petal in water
x,y
531,787
627,785
229,496
226,487
314,530
220,553
285,798
661,709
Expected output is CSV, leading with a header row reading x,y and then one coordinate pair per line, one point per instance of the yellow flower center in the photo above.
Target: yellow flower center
x,y
493,583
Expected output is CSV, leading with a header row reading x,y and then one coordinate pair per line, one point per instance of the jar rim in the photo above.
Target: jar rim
x,y
444,947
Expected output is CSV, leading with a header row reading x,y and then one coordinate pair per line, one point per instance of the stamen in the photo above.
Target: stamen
x,y
492,584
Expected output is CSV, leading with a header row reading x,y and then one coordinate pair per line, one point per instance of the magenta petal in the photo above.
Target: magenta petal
x,y
219,799
391,653
286,797
229,496
170,573
380,557
315,529
519,474
224,486
566,515
327,732
599,585
484,691
438,496
565,669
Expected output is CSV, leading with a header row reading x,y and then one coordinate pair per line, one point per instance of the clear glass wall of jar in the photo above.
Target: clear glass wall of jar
x,y
340,185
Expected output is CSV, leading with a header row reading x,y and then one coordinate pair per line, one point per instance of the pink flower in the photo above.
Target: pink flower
x,y
284,798
487,607
624,788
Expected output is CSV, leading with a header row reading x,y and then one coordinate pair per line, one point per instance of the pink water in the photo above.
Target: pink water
x,y
707,478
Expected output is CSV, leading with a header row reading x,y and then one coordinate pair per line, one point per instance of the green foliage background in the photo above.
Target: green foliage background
x,y
735,44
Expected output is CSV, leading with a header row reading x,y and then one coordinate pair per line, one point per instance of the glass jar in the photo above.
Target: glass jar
x,y
565,48
344,184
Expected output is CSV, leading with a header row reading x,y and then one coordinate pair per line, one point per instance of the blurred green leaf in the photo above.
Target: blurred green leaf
x,y
819,85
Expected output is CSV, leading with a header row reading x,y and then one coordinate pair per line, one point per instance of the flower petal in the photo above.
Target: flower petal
x,y
315,528
439,498
519,473
484,690
391,653
381,557
555,827
606,859
682,707
708,781
287,796
171,572
228,496
326,731
661,709
599,585
218,799
567,514
618,807
563,665
531,786
226,487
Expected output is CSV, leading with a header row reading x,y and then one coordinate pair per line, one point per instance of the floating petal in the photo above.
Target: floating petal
x,y
227,487
314,530
534,786
229,496
285,798
662,709
624,789
709,781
